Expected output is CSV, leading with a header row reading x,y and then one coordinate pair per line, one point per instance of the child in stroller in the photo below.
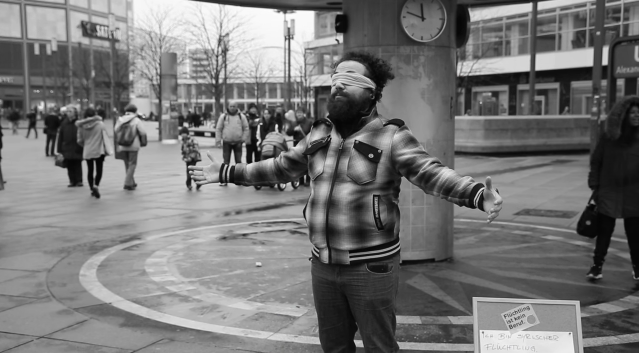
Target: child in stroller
x,y
272,146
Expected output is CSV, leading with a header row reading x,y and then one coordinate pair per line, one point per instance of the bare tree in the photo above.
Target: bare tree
x,y
123,68
259,70
305,65
158,32
210,23
82,72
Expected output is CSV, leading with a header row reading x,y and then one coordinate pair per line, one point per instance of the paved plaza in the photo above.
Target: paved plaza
x,y
164,269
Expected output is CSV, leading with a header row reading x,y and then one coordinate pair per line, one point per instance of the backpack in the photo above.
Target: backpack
x,y
126,134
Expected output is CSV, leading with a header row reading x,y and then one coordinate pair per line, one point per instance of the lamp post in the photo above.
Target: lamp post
x,y
287,65
225,50
112,40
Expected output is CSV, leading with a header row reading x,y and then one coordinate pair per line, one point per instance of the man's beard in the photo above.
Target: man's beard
x,y
346,112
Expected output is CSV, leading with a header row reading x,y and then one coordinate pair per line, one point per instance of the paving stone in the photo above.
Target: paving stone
x,y
9,340
8,302
98,333
30,285
36,261
6,275
38,318
55,346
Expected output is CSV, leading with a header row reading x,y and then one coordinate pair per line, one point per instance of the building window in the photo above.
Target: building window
x,y
581,95
490,101
517,36
46,23
10,21
326,24
572,29
100,5
547,33
118,7
79,3
546,99
272,91
11,60
492,39
631,19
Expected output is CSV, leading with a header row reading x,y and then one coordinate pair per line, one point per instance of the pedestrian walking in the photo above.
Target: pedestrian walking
x,y
51,126
14,118
190,154
69,148
232,131
614,179
252,145
32,118
93,137
1,177
130,137
356,159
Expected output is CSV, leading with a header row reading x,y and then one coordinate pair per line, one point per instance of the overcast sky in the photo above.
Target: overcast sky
x,y
265,25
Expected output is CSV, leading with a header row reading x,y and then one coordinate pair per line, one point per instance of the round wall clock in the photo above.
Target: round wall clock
x,y
423,20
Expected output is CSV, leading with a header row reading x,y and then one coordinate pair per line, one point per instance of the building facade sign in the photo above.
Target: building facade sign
x,y
11,80
626,60
98,31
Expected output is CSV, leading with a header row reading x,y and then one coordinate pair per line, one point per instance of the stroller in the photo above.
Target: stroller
x,y
273,145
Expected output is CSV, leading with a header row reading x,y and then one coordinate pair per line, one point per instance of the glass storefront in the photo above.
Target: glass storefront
x,y
546,99
490,101
581,95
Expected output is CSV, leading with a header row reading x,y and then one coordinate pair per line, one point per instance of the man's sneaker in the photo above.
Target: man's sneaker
x,y
635,273
595,272
223,184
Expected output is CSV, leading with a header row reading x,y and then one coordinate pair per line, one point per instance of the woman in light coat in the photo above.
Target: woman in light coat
x,y
614,179
92,135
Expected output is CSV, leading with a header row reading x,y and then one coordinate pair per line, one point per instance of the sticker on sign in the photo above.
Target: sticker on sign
x,y
520,318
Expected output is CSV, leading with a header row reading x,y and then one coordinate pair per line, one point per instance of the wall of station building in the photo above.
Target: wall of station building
x,y
34,73
494,75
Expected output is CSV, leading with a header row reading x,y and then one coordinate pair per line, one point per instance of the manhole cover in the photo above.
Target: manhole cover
x,y
546,213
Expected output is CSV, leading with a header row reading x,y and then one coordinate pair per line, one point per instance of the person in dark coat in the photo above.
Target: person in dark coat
x,y
32,118
14,118
51,126
1,178
69,148
299,131
252,148
614,179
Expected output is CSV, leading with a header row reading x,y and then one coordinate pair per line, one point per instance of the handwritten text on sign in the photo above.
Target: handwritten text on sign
x,y
520,318
526,342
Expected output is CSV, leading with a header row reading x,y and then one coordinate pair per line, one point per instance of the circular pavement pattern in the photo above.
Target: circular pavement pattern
x,y
209,279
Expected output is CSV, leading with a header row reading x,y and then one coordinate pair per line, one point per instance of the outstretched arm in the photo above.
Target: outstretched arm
x,y
428,173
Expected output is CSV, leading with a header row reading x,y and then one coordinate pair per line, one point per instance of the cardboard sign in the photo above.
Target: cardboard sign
x,y
504,325
525,342
520,318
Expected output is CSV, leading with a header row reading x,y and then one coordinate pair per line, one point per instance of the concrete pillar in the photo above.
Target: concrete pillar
x,y
423,95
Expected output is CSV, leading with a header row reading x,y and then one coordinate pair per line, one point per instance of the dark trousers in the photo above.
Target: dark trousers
x,y
50,146
98,163
606,227
188,176
74,170
251,150
32,126
236,148
348,297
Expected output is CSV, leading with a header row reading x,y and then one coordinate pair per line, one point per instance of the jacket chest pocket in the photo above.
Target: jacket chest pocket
x,y
363,162
316,152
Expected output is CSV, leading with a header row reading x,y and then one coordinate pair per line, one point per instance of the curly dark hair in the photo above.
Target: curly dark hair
x,y
378,69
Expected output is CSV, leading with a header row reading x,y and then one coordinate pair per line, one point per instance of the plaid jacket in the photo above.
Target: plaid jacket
x,y
352,212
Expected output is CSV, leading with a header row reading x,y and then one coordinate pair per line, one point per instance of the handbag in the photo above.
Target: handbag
x,y
60,161
587,225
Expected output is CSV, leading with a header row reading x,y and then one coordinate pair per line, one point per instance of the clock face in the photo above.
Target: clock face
x,y
423,20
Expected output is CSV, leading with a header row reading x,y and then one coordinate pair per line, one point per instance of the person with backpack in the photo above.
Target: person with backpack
x,y
92,136
129,137
232,131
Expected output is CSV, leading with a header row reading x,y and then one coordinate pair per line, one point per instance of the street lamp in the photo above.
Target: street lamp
x,y
288,35
225,50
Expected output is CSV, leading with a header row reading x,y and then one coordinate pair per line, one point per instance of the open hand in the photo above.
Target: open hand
x,y
492,200
206,174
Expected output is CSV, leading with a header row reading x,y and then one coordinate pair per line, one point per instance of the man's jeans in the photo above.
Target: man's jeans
x,y
130,162
49,149
348,297
227,147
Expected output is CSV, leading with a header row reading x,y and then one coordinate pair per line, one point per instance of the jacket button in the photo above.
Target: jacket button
x,y
379,151
356,141
370,155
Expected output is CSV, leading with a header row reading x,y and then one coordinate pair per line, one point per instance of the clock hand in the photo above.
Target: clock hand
x,y
418,16
421,6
